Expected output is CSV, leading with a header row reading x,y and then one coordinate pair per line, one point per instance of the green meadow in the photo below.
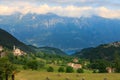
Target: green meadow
x,y
37,75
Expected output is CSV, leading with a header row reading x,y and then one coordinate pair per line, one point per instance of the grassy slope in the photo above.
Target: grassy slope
x,y
36,75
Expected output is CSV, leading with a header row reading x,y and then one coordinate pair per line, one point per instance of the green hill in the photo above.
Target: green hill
x,y
8,41
106,51
48,50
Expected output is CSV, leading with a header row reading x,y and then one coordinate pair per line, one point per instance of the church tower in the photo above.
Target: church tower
x,y
14,47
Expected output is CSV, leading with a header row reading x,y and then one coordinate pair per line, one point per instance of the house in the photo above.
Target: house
x,y
2,53
71,64
1,48
75,66
18,52
75,60
110,70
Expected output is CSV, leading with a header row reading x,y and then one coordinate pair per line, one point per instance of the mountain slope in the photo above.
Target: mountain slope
x,y
106,51
48,50
66,33
8,41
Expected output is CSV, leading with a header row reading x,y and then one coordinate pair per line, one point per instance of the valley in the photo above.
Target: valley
x,y
59,40
68,34
51,63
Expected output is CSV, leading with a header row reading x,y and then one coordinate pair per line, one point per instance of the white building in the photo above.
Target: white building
x,y
18,52
1,48
75,66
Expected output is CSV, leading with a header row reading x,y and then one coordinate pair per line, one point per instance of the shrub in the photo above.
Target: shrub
x,y
61,69
80,70
69,69
50,69
33,64
95,71
25,67
41,64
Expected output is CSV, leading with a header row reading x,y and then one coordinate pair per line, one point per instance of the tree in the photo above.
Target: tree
x,y
117,62
10,70
6,68
80,70
101,65
69,69
61,69
1,71
13,74
41,64
50,69
33,64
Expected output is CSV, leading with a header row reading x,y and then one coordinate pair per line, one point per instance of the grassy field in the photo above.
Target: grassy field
x,y
36,75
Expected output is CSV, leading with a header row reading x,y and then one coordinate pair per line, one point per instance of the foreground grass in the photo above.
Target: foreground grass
x,y
36,75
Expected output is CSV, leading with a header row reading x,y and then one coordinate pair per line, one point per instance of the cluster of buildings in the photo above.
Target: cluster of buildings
x,y
115,44
75,64
16,51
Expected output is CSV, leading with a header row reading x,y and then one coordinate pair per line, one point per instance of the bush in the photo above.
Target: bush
x,y
50,69
80,70
69,69
33,64
41,64
95,71
61,69
25,67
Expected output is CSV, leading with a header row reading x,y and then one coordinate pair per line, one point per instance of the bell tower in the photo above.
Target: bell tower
x,y
14,47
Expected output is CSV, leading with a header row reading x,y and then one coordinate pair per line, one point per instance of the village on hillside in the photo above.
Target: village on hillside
x,y
74,64
16,51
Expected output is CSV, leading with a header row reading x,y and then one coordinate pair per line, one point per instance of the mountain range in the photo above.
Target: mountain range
x,y
66,33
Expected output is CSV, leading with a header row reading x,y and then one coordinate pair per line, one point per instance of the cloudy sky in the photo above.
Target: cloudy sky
x,y
69,8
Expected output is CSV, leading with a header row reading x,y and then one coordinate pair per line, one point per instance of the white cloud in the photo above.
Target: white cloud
x,y
107,13
69,11
5,10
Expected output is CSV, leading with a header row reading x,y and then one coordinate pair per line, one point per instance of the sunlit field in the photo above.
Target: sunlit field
x,y
36,75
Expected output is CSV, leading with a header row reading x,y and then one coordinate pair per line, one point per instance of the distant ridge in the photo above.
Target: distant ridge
x,y
105,51
48,50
